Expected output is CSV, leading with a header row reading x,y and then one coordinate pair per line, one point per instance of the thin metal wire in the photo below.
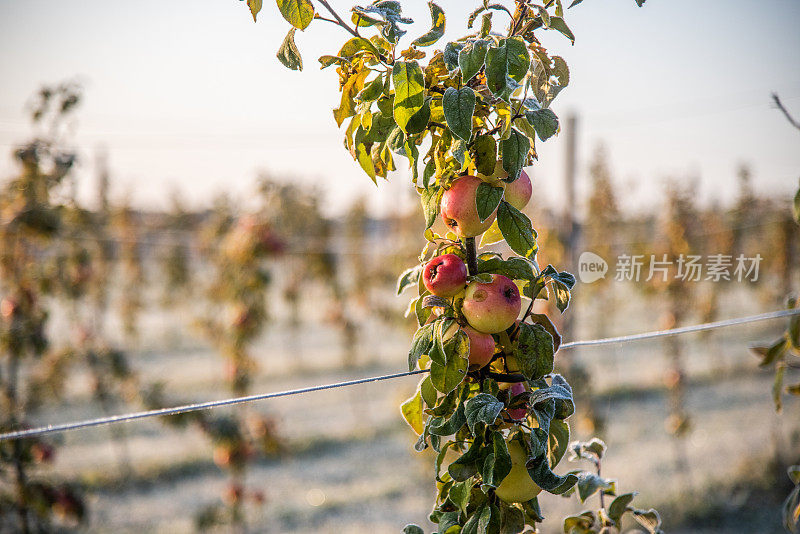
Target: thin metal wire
x,y
683,329
50,429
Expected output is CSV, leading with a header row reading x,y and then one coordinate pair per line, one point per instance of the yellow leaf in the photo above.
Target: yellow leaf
x,y
412,412
255,7
492,235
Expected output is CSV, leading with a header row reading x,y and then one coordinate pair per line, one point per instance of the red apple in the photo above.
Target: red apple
x,y
492,307
459,208
518,192
481,348
445,276
517,414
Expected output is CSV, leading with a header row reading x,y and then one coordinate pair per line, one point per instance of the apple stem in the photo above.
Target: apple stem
x,y
472,256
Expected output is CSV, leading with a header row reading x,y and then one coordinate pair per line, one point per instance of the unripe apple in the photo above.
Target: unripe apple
x,y
445,275
492,307
460,210
481,348
518,485
519,192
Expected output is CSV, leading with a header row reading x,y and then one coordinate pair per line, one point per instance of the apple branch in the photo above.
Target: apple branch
x,y
339,20
472,256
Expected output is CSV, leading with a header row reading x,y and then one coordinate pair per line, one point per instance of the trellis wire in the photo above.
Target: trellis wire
x,y
63,427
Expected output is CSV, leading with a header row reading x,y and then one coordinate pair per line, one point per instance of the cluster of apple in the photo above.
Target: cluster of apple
x,y
489,308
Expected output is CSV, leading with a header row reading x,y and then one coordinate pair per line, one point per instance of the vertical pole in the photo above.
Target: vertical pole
x,y
570,222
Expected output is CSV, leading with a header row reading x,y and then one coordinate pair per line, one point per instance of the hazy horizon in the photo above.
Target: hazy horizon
x,y
187,97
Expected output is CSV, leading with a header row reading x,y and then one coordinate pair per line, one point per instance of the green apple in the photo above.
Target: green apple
x,y
518,485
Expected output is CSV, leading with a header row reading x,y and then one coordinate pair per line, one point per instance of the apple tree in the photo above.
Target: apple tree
x,y
466,118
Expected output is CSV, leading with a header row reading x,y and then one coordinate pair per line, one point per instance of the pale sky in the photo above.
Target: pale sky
x,y
189,94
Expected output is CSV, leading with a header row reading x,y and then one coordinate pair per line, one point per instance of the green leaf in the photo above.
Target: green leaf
x,y
299,13
450,55
442,326
482,408
465,466
450,426
436,32
544,477
428,173
288,54
355,45
409,91
514,152
544,121
484,153
447,377
514,268
487,199
517,58
496,69
327,61
396,141
560,392
458,149
557,441
562,295
431,198
459,105
512,520
412,529
797,207
619,506
255,7
372,91
390,12
460,493
428,392
498,463
486,25
590,483
471,58
517,230
421,344
557,23
419,121
534,351
412,412
448,523
409,277
489,522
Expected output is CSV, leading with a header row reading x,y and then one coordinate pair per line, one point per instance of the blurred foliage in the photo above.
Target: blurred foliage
x,y
32,218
